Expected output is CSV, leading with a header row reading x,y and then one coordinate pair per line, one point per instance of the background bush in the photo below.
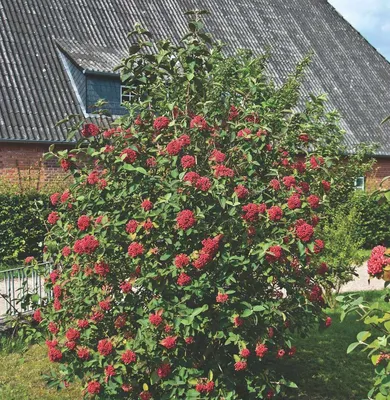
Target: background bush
x,y
373,219
343,244
24,203
22,228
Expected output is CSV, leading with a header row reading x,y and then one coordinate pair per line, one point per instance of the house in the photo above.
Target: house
x,y
57,58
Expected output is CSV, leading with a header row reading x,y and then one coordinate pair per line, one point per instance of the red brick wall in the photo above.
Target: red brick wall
x,y
21,164
381,170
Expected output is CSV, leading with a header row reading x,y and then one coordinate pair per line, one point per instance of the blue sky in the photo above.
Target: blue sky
x,y
371,18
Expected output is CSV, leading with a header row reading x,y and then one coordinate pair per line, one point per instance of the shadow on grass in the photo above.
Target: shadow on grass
x,y
323,370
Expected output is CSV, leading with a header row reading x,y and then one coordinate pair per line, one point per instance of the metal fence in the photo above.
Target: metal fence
x,y
20,283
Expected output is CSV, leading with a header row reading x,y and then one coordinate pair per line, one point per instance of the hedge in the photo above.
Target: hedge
x,y
22,227
373,219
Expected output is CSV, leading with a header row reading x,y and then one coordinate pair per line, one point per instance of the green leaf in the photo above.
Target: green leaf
x,y
199,310
141,170
35,298
375,358
154,378
290,384
301,248
247,313
128,167
352,347
71,135
362,336
258,308
192,394
371,320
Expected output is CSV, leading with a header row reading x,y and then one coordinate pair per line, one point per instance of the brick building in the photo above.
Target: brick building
x,y
57,57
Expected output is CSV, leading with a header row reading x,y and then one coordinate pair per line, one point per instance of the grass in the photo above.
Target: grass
x,y
321,368
21,374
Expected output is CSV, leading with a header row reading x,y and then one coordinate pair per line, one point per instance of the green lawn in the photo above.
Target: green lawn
x,y
321,367
21,375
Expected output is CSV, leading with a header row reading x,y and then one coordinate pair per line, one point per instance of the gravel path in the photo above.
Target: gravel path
x,y
362,282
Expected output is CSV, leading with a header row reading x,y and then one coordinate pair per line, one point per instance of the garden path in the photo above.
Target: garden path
x,y
362,282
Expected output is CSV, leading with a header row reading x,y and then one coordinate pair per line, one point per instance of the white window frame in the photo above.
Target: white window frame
x,y
361,186
128,95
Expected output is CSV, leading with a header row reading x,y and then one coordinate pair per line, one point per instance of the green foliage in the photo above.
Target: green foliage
x,y
23,199
359,163
373,340
373,216
11,342
174,254
341,254
22,227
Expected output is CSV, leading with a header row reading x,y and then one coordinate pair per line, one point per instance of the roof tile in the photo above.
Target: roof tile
x,y
36,93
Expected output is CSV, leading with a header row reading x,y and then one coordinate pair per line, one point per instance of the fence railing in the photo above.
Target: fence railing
x,y
17,283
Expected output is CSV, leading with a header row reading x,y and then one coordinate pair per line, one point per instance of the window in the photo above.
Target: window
x,y
360,183
126,94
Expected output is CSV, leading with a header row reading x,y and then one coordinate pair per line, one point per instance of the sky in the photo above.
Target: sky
x,y
371,18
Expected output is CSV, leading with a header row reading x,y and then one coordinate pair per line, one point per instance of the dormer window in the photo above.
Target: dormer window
x,y
91,70
126,94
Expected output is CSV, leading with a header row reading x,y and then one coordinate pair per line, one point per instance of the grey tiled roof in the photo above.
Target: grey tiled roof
x,y
35,91
92,58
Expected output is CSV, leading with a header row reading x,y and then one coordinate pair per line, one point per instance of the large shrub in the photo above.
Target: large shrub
x,y
186,252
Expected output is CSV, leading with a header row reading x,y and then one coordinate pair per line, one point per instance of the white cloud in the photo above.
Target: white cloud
x,y
362,14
